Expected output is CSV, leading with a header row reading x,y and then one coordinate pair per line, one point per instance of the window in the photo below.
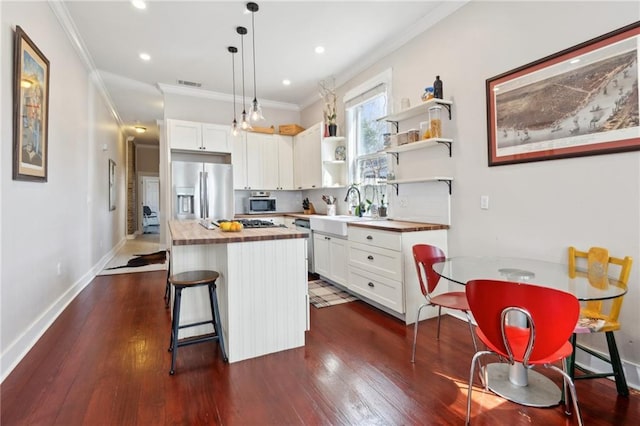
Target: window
x,y
363,106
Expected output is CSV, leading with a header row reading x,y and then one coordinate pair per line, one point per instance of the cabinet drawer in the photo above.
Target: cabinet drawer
x,y
374,237
379,289
376,260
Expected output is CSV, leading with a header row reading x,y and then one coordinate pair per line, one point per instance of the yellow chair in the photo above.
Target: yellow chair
x,y
598,262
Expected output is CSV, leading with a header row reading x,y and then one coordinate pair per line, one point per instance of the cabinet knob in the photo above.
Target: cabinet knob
x,y
369,237
327,238
370,257
371,284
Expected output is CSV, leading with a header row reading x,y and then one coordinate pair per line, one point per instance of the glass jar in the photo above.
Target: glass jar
x,y
435,121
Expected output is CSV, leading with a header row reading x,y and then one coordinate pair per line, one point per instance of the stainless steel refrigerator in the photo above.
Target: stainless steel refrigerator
x,y
202,187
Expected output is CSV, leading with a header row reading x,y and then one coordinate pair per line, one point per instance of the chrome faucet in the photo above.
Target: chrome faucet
x,y
346,198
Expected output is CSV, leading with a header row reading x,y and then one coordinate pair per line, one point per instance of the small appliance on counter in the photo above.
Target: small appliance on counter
x,y
260,202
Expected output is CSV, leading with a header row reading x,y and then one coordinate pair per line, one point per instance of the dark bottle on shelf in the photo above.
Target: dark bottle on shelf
x,y
437,88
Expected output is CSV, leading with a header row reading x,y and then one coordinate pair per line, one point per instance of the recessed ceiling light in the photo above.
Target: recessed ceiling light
x,y
140,129
145,56
320,49
574,61
139,4
286,82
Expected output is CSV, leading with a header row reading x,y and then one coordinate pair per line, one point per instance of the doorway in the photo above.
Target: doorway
x,y
149,212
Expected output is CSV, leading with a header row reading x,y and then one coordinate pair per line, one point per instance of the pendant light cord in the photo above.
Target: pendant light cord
x,y
244,108
233,73
253,36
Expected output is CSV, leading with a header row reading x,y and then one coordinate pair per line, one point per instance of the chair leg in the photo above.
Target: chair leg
x,y
474,360
174,329
167,287
415,332
572,392
473,335
439,312
215,314
618,370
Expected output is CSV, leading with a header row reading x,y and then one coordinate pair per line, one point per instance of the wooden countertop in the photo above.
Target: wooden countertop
x,y
190,232
398,225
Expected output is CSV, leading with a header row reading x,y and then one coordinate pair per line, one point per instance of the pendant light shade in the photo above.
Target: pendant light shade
x,y
234,124
244,118
256,110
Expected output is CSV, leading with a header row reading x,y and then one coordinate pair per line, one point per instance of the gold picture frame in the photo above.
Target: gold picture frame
x,y
112,185
30,110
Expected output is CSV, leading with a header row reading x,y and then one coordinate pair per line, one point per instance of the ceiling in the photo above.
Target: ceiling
x,y
188,40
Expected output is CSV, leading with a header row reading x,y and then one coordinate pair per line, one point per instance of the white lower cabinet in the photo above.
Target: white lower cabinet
x,y
330,257
382,270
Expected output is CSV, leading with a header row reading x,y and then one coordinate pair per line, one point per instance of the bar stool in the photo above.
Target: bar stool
x,y
192,279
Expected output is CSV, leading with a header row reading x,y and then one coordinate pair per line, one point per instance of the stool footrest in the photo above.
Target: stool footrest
x,y
195,324
196,339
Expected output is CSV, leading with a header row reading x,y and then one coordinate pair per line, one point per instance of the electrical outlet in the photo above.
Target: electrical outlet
x,y
404,202
484,202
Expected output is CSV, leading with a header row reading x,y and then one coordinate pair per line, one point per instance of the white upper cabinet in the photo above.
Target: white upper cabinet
x,y
201,137
307,161
262,161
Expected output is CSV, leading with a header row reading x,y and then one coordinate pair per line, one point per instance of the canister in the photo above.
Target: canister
x,y
435,121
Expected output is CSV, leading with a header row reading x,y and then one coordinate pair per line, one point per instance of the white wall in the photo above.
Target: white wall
x,y
66,220
536,209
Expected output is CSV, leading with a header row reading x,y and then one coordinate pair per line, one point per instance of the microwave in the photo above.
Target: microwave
x,y
261,205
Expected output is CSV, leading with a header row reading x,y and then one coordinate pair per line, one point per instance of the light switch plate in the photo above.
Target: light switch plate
x,y
484,202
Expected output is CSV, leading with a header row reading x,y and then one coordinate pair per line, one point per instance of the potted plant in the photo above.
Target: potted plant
x,y
382,209
328,94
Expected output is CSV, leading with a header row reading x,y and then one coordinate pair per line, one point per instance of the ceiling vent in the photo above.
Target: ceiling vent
x,y
189,83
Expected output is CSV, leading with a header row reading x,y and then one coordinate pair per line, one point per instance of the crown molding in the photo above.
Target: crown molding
x,y
62,13
444,9
223,97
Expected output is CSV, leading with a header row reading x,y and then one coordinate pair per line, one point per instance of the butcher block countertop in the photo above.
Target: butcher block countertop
x,y
398,225
190,232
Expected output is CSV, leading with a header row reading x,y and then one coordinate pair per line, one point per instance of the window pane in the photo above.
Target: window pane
x,y
369,131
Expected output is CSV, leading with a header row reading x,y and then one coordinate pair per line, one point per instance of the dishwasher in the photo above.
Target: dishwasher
x,y
303,225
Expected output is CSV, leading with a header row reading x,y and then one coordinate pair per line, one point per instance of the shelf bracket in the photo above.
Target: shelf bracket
x,y
447,106
447,181
395,185
448,144
395,123
397,155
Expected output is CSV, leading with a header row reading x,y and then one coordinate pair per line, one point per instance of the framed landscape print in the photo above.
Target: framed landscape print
x,y
30,110
581,101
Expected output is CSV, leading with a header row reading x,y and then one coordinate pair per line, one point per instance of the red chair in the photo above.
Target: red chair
x,y
425,256
551,318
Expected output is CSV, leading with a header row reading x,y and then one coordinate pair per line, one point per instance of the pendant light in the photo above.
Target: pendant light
x,y
234,123
244,122
256,110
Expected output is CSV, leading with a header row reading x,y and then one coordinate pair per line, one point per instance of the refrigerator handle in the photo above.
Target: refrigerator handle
x,y
206,195
201,197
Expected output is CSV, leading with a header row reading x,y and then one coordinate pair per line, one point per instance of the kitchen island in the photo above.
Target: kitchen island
x,y
262,289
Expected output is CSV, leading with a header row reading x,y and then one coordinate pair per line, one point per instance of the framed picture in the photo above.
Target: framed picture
x,y
112,185
581,101
30,110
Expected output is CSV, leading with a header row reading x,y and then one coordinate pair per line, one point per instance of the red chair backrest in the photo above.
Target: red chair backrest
x,y
554,313
426,255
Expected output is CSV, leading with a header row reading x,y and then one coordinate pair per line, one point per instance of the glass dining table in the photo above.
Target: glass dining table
x,y
515,382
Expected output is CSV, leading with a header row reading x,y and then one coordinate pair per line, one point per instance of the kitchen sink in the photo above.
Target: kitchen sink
x,y
336,225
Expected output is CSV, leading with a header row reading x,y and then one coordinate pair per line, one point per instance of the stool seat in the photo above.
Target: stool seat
x,y
192,279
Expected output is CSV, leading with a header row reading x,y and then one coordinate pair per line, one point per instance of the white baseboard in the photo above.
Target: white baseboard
x,y
590,362
19,348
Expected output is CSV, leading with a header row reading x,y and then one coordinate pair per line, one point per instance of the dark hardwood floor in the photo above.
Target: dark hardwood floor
x,y
105,362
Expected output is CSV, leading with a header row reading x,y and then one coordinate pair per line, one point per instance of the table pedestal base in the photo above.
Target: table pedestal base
x,y
539,391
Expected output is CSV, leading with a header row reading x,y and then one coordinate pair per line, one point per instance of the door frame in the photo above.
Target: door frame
x,y
142,176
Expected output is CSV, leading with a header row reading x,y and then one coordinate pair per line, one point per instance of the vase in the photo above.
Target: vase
x,y
382,211
333,130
